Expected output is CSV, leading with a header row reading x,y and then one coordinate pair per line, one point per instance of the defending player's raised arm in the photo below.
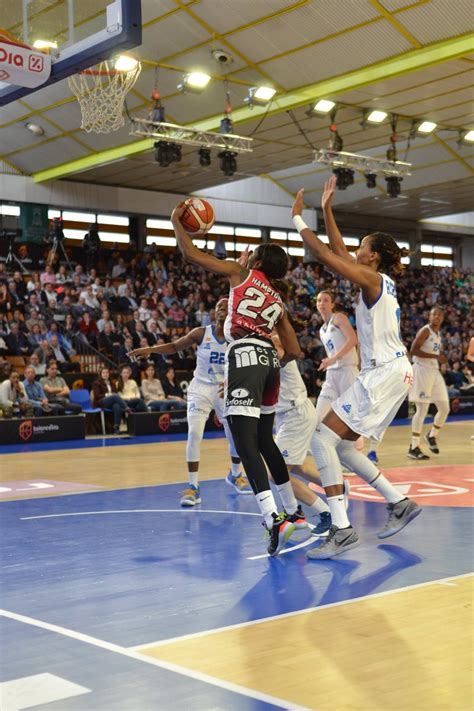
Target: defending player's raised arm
x,y
360,274
181,344
288,340
335,238
192,254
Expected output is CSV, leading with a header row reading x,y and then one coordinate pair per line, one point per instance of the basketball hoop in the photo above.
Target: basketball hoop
x,y
101,94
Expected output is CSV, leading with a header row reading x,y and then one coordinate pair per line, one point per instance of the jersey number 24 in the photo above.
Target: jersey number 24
x,y
250,307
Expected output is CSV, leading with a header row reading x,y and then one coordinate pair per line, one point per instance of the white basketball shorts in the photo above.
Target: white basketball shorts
x,y
294,430
202,398
371,403
428,385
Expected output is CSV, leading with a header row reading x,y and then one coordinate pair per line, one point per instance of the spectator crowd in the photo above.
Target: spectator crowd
x,y
50,317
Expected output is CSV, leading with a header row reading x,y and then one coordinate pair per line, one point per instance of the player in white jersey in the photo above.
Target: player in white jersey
x,y
428,384
295,423
370,404
203,397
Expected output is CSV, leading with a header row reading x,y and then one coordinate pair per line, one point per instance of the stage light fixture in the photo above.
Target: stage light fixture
x,y
344,177
393,185
44,44
260,95
227,125
371,180
195,82
323,106
227,162
468,136
377,116
426,127
204,157
167,153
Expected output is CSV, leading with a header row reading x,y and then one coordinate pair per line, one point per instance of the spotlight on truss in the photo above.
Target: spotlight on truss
x,y
393,185
342,159
204,157
227,162
188,136
344,177
371,179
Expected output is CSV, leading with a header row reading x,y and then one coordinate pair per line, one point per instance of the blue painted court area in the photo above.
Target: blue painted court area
x,y
131,567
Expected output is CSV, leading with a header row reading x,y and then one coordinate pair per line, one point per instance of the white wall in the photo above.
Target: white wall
x,y
62,193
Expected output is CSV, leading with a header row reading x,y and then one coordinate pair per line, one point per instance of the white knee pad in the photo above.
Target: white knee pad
x,y
196,424
419,416
230,439
442,414
356,461
323,449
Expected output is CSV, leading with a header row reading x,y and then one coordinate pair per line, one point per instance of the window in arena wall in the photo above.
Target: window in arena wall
x,y
79,216
230,247
324,238
221,230
295,237
437,249
159,225
12,210
351,241
53,213
403,245
161,241
113,220
118,237
248,232
74,234
199,243
405,260
278,234
296,251
430,262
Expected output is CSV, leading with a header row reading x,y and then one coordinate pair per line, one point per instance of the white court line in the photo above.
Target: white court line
x,y
307,542
295,613
124,511
168,666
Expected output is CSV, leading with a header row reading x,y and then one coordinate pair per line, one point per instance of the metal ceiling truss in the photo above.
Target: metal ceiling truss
x,y
190,136
341,159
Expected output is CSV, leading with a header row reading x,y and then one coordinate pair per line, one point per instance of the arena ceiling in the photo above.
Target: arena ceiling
x,y
412,58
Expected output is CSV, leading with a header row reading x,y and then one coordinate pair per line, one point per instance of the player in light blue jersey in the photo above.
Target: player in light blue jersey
x,y
370,404
203,397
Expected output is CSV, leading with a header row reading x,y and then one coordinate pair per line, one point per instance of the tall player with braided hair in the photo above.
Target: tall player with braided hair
x,y
370,404
252,372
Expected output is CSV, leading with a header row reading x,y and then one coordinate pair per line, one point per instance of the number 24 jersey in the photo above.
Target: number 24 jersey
x,y
255,308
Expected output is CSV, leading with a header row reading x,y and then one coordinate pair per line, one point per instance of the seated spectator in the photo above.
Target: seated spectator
x,y
144,312
35,336
57,390
17,342
39,368
172,389
90,300
468,379
106,397
127,303
153,393
49,294
48,276
105,319
119,270
15,301
62,357
454,378
61,276
201,316
128,389
44,353
109,343
88,328
13,399
176,316
37,396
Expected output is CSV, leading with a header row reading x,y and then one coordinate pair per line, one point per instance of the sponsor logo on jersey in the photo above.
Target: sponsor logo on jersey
x,y
347,408
422,395
238,401
284,453
240,393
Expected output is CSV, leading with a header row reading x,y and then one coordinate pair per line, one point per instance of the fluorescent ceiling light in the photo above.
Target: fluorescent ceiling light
x,y
45,44
197,79
265,93
124,63
377,116
323,106
426,127
469,136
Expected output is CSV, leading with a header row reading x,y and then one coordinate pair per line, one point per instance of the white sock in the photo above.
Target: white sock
x,y
287,496
373,445
235,469
337,507
267,506
193,478
367,471
319,506
415,440
388,491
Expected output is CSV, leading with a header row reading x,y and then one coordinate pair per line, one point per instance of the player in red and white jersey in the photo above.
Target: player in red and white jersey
x,y
252,372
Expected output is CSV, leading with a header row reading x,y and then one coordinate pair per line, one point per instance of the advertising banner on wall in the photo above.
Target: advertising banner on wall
x,y
42,429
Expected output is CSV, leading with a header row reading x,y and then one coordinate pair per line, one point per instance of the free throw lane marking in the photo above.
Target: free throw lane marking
x,y
30,691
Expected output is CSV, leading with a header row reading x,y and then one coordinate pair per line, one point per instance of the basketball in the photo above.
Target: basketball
x,y
198,217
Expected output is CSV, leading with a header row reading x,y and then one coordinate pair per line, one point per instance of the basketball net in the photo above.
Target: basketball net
x,y
101,94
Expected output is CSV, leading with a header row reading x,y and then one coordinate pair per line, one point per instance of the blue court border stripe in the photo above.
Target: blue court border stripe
x,y
150,439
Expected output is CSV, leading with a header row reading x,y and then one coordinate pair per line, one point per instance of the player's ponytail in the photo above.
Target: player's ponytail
x,y
389,252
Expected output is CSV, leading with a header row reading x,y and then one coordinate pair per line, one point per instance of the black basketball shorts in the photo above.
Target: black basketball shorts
x,y
252,380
